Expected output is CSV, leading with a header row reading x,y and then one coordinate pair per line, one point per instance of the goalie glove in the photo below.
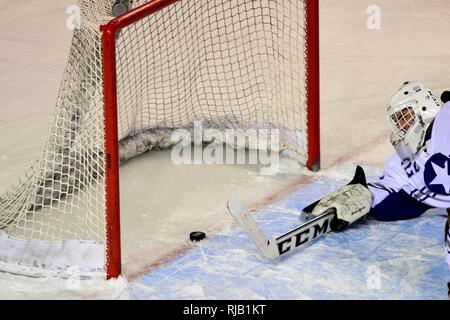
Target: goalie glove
x,y
351,202
445,97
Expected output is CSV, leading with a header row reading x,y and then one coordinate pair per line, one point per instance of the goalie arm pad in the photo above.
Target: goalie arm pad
x,y
351,202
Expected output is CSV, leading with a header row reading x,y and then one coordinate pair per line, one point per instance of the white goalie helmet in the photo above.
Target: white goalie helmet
x,y
411,109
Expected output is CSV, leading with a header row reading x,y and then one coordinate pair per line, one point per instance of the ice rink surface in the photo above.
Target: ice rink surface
x,y
162,203
372,260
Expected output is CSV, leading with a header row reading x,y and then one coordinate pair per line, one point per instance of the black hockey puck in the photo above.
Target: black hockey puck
x,y
445,97
197,236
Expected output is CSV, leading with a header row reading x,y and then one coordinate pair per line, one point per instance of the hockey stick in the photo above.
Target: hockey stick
x,y
356,204
295,238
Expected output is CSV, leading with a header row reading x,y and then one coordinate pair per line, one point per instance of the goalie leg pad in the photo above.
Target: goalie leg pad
x,y
352,202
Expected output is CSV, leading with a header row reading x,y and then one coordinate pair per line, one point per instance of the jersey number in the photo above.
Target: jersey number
x,y
411,169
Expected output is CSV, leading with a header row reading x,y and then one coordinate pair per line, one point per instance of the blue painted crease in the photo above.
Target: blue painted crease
x,y
370,260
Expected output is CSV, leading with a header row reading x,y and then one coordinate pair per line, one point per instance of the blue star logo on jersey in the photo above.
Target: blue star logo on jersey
x,y
437,174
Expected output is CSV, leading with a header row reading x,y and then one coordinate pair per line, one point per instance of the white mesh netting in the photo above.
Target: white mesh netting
x,y
227,63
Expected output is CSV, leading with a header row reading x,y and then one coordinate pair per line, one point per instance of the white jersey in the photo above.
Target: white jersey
x,y
427,178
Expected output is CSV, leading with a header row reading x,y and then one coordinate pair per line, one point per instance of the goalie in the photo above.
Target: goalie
x,y
416,178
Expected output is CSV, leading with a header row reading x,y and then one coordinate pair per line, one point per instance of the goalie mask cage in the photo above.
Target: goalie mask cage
x,y
129,82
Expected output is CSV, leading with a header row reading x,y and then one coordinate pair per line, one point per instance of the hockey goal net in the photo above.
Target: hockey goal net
x,y
133,79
